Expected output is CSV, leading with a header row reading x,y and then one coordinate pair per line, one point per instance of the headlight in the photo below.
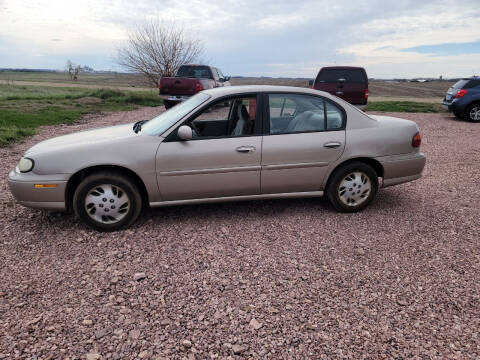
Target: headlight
x,y
25,165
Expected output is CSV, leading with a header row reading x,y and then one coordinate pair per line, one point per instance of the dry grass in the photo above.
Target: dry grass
x,y
379,90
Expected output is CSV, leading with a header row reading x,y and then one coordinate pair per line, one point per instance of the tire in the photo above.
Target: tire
x,y
472,113
107,192
357,197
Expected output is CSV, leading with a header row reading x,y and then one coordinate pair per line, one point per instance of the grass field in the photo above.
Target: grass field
x,y
404,106
24,108
32,99
395,90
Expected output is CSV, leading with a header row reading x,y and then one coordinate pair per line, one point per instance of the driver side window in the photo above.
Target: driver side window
x,y
226,118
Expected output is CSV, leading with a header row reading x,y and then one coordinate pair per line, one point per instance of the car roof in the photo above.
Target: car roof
x,y
245,89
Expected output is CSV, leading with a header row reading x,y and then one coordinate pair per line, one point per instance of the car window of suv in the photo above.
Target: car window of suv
x,y
199,72
473,84
226,118
333,75
460,84
294,113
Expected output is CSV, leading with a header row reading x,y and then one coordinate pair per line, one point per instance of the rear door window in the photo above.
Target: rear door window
x,y
296,113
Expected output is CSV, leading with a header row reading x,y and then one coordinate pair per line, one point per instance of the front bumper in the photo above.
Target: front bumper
x,y
398,169
22,187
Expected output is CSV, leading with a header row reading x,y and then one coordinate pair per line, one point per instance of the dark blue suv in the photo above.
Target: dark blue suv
x,y
463,99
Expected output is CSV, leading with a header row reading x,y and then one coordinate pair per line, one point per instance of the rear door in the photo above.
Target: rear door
x,y
300,143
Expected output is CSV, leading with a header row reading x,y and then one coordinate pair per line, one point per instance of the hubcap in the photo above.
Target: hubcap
x,y
107,203
475,113
354,188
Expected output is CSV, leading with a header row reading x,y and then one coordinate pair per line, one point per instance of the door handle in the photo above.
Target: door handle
x,y
245,149
332,145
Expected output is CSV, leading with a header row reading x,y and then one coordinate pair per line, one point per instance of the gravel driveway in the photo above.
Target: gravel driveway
x,y
276,279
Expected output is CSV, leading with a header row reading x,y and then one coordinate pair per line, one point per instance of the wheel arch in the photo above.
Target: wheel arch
x,y
375,164
77,178
471,103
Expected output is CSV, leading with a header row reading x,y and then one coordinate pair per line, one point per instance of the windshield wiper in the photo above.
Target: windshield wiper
x,y
138,125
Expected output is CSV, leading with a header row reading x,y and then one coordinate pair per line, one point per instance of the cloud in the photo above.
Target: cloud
x,y
262,37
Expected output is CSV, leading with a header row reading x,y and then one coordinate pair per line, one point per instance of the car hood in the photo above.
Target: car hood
x,y
83,138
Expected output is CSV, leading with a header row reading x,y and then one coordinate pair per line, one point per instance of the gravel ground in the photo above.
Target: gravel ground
x,y
272,279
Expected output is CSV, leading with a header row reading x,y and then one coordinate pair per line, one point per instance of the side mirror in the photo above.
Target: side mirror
x,y
185,132
310,82
226,78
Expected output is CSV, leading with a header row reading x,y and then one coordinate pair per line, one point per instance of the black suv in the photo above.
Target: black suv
x,y
463,99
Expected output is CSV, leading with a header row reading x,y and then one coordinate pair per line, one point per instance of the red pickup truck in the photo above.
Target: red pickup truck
x,y
189,80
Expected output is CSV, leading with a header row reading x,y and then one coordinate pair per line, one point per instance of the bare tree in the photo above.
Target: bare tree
x,y
157,49
72,70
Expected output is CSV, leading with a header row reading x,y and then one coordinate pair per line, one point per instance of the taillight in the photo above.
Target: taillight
x,y
159,86
416,140
366,94
198,86
461,93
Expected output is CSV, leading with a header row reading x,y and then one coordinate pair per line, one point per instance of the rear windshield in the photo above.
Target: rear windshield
x,y
199,72
466,84
350,75
460,84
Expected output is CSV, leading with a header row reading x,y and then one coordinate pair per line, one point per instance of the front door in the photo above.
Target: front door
x,y
222,159
306,134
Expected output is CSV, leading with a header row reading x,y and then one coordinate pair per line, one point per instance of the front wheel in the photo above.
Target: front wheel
x,y
352,187
107,201
472,113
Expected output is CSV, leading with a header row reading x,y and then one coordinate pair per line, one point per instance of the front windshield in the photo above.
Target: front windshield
x,y
158,125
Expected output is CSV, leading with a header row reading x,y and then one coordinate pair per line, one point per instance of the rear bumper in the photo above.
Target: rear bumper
x,y
174,98
22,187
455,106
398,169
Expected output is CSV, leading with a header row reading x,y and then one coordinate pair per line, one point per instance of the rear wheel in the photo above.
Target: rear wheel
x,y
107,201
472,113
352,187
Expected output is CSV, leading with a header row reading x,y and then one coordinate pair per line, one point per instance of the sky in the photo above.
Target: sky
x,y
391,39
